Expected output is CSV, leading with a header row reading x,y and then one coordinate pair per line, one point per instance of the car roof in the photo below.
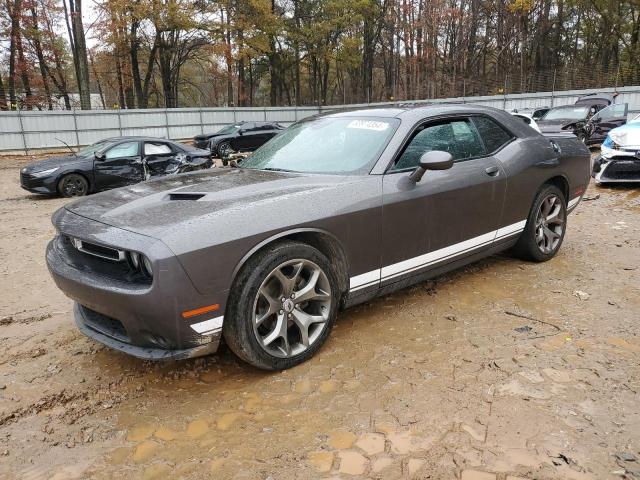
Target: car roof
x,y
413,114
410,111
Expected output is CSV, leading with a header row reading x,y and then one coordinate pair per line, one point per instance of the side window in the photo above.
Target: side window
x,y
493,135
127,149
247,127
457,137
613,111
157,149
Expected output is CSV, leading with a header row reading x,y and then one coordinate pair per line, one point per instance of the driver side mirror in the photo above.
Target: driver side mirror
x,y
240,132
99,156
433,160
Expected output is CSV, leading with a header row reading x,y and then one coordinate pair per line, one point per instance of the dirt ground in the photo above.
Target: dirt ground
x,y
501,370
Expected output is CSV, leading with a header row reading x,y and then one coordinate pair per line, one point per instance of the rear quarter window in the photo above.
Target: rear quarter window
x,y
492,133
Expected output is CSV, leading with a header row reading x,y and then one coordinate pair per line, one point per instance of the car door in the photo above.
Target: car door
x,y
157,155
244,140
448,214
607,119
119,166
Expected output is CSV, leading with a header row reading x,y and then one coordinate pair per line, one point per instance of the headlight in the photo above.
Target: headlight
x,y
44,173
146,267
140,263
617,139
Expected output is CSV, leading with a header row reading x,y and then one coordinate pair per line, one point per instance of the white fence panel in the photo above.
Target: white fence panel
x,y
29,131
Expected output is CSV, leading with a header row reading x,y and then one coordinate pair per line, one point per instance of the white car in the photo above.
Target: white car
x,y
619,159
528,119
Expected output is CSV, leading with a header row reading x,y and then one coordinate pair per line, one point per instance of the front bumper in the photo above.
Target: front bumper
x,y
617,169
46,185
97,327
141,319
203,144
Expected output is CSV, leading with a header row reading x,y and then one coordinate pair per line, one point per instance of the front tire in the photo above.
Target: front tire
x,y
283,305
73,185
544,232
224,150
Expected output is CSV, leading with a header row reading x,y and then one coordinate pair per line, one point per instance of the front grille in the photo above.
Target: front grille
x,y
26,180
623,170
90,263
106,325
108,253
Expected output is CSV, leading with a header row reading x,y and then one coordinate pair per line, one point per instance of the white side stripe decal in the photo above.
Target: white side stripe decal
x,y
510,229
411,264
208,326
365,279
406,266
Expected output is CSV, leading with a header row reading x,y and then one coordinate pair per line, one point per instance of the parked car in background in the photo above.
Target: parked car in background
x,y
338,209
557,118
599,125
619,159
533,112
240,137
574,118
528,120
110,163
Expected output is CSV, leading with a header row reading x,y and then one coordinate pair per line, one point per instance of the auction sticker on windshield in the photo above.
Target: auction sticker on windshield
x,y
369,125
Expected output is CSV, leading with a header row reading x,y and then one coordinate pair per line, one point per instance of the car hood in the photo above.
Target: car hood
x,y
207,136
627,136
554,126
173,207
53,162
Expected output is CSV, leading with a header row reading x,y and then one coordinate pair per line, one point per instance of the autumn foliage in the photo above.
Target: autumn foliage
x,y
181,53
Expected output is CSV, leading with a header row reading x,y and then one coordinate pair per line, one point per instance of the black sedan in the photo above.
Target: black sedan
x,y
111,163
239,137
266,254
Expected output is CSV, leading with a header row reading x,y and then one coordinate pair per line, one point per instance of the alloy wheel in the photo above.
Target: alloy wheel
x,y
292,308
550,222
74,187
224,150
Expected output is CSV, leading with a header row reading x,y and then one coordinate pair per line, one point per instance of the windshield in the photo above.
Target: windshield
x,y
567,113
100,146
229,129
333,145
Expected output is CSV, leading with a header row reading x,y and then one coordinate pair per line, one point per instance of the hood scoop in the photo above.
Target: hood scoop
x,y
185,196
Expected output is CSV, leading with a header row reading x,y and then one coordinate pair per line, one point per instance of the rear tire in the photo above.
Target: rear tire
x,y
73,185
544,232
283,305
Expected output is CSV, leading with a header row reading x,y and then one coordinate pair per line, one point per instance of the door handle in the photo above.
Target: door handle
x,y
492,171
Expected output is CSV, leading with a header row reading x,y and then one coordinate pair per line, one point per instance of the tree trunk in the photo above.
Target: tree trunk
x,y
97,78
75,29
41,61
13,47
134,46
3,95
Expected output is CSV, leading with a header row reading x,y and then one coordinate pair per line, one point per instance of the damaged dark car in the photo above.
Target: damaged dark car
x,y
265,255
110,163
239,137
574,118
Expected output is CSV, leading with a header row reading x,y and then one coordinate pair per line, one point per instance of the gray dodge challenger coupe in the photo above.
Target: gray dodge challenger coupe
x,y
336,210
